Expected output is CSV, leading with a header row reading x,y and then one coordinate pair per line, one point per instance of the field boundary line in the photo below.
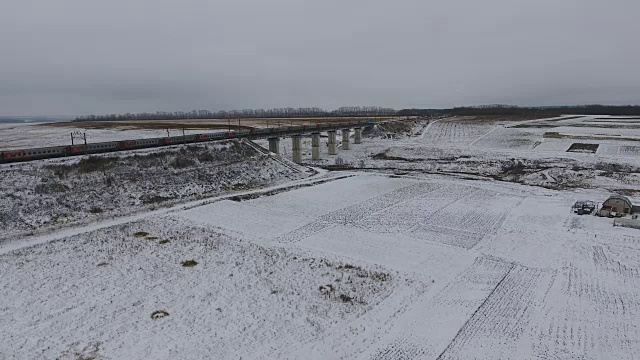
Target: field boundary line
x,y
476,311
424,132
472,144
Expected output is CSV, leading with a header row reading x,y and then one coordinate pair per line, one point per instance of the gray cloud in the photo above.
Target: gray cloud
x,y
90,56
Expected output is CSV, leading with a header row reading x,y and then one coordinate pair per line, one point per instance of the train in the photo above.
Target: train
x,y
111,146
19,155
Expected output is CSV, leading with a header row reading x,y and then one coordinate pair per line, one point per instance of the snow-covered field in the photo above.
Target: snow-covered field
x,y
19,136
373,268
412,250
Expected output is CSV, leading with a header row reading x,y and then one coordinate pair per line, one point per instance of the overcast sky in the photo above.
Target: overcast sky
x,y
102,56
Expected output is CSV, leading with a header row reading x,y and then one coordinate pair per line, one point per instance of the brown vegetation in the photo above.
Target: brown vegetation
x,y
208,124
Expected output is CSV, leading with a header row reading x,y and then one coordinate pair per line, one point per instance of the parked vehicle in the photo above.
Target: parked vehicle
x,y
584,207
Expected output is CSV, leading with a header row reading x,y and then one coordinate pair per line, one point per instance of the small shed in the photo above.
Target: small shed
x,y
619,205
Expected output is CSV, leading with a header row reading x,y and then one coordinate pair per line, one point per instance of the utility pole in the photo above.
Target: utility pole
x,y
81,135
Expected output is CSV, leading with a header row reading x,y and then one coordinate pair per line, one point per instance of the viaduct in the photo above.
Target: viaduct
x,y
274,142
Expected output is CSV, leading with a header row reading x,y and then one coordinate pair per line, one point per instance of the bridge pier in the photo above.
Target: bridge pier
x,y
274,145
357,137
296,149
315,146
332,142
345,139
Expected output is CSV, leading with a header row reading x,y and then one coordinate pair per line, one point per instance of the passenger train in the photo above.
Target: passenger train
x,y
103,147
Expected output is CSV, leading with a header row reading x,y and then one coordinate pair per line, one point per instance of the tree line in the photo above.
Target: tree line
x,y
351,111
508,110
372,111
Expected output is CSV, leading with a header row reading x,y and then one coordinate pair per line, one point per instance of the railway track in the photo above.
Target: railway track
x,y
22,155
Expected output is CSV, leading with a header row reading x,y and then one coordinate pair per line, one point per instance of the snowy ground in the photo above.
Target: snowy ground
x,y
384,268
510,151
19,136
417,253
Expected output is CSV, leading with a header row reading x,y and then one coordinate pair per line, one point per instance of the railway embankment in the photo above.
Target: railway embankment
x,y
41,195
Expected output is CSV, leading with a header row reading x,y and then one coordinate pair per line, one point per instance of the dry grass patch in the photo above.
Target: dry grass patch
x,y
189,263
159,314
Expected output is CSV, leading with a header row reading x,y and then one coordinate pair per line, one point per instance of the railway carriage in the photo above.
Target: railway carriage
x,y
171,140
33,154
210,136
76,149
150,142
96,148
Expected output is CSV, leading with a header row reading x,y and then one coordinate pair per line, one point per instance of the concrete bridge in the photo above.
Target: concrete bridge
x,y
296,142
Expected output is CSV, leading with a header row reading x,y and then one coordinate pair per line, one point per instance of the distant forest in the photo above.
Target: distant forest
x,y
350,111
371,111
506,110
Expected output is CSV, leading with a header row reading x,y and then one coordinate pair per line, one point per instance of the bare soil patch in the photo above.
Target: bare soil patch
x,y
583,148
